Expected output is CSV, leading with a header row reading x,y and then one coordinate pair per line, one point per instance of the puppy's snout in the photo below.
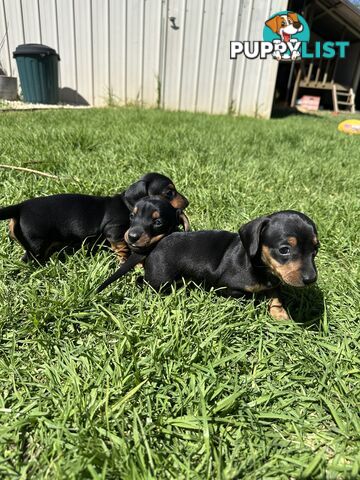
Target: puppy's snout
x,y
186,202
310,278
180,201
134,235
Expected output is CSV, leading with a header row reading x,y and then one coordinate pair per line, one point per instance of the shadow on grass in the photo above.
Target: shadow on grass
x,y
305,306
279,113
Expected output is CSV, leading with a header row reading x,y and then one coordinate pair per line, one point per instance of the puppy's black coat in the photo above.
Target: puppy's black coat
x,y
280,247
151,220
274,249
47,224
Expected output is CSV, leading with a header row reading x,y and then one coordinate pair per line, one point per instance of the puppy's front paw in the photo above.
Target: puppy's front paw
x,y
26,257
121,259
278,312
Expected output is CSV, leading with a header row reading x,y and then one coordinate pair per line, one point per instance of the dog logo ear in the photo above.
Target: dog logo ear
x,y
250,235
183,220
293,16
136,191
272,23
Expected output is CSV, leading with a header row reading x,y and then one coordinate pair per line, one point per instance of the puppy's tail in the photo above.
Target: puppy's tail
x,y
130,263
10,212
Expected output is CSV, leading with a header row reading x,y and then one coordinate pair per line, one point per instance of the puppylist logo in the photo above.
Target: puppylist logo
x,y
285,37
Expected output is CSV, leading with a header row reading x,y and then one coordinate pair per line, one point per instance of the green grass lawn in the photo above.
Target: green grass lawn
x,y
131,384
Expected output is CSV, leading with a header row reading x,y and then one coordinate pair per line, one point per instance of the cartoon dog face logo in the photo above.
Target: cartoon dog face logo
x,y
285,25
286,30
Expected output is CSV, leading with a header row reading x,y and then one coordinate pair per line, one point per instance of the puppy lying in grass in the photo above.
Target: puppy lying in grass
x,y
269,251
151,220
44,225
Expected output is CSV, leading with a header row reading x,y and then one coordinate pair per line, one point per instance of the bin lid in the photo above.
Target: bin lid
x,y
34,49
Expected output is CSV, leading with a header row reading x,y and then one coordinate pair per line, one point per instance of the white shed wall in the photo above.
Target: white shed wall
x,y
130,51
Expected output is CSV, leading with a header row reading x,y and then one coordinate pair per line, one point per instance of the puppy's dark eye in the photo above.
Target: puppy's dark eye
x,y
131,216
170,194
158,222
284,250
283,24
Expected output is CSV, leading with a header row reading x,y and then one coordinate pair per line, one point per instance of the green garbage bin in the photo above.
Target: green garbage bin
x,y
38,72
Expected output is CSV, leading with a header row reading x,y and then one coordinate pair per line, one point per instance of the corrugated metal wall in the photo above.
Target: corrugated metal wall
x,y
134,51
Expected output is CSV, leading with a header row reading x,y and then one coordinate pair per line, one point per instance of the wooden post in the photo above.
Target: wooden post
x,y
352,100
326,72
318,71
296,88
308,78
334,97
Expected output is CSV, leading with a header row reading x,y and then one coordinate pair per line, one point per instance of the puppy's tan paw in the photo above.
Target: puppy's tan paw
x,y
122,251
121,259
278,312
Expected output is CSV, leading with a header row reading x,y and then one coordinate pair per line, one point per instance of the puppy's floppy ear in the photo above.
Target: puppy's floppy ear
x,y
250,235
136,191
183,220
272,23
293,16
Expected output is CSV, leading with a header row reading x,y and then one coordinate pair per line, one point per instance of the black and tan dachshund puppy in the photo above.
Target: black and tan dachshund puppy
x,y
44,225
276,249
151,220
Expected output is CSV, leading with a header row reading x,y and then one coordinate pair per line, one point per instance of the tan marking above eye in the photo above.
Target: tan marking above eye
x,y
315,240
171,186
155,214
292,241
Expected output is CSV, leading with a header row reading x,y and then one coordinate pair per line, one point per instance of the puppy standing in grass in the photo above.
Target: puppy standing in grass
x,y
44,225
268,251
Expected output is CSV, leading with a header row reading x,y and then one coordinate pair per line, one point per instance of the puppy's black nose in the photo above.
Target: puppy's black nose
x,y
134,236
308,279
297,24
